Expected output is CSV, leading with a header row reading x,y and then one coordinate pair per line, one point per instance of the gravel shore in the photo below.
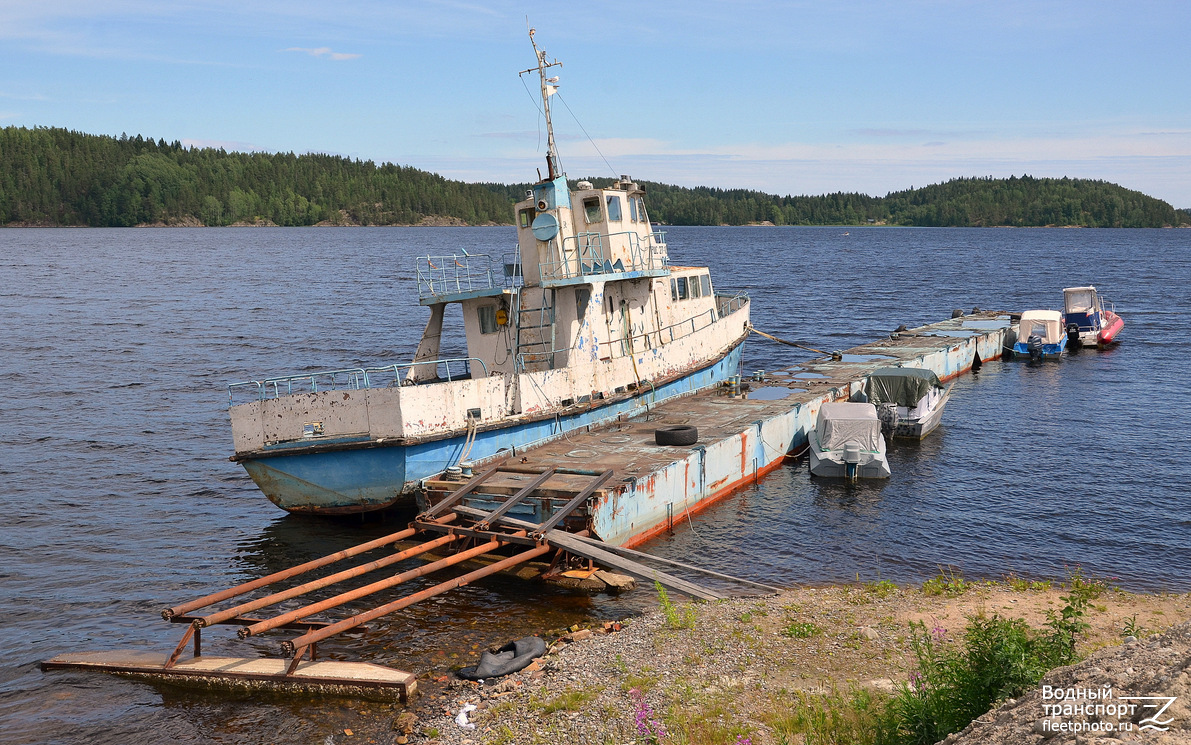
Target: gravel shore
x,y
734,670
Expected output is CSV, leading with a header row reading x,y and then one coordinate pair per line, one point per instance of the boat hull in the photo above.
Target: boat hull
x,y
829,463
917,429
1112,326
1049,351
365,476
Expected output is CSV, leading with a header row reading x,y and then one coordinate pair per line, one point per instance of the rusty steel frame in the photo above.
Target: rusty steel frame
x,y
346,597
485,522
228,614
284,574
298,646
461,492
572,505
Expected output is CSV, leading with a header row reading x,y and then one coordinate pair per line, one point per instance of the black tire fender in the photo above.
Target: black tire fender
x,y
679,434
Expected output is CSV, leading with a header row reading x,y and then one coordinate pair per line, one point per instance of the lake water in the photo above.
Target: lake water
x,y
116,348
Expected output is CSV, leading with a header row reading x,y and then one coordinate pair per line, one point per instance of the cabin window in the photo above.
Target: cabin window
x,y
693,283
527,216
487,319
633,210
640,205
684,290
705,282
613,209
673,289
591,209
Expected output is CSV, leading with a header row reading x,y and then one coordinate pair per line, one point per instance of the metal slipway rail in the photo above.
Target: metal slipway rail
x,y
461,532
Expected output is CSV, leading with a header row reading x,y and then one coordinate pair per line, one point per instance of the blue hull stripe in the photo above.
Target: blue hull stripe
x,y
370,478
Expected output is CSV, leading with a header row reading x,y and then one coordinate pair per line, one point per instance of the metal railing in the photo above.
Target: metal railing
x,y
358,378
445,275
584,254
726,305
513,274
729,304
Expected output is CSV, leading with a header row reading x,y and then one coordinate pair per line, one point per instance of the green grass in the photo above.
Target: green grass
x,y
569,700
676,617
949,582
1021,584
801,630
855,717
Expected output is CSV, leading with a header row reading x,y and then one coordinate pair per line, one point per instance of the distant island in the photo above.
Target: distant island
x,y
57,177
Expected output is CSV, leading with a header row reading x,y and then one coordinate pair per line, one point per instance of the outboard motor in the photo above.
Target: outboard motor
x,y
851,460
1034,346
1073,333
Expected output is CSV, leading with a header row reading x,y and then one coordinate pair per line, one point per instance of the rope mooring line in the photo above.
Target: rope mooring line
x,y
783,341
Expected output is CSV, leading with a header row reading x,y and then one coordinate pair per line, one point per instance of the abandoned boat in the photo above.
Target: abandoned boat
x,y
1043,335
847,443
588,322
1085,319
909,400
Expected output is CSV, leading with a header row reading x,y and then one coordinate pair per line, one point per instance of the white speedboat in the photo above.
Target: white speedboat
x,y
847,443
1086,319
1040,335
909,400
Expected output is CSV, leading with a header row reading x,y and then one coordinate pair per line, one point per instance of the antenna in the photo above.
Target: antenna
x,y
549,87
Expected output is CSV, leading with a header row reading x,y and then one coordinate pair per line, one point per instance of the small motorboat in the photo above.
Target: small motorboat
x,y
1085,319
847,443
1042,332
909,400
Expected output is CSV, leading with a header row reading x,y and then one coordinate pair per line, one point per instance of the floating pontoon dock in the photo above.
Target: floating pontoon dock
x,y
589,495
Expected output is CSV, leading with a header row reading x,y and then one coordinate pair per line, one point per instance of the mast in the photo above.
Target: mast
x,y
549,88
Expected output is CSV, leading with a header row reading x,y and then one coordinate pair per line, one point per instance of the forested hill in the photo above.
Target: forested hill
x,y
963,202
59,177
52,176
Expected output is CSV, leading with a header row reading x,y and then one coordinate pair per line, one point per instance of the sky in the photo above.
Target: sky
x,y
783,97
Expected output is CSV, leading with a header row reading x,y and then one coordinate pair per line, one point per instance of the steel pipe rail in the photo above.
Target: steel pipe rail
x,y
306,640
293,592
285,574
347,597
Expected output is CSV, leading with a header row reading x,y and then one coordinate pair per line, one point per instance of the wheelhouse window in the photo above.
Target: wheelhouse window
x,y
639,210
526,217
684,288
705,283
591,209
633,210
613,209
487,319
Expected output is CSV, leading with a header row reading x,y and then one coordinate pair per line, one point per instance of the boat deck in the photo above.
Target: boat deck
x,y
740,436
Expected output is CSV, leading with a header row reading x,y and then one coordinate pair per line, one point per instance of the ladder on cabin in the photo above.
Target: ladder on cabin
x,y
535,327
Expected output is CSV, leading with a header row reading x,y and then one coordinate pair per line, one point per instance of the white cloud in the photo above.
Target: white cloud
x,y
325,52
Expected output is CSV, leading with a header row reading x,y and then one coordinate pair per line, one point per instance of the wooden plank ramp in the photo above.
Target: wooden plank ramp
x,y
326,677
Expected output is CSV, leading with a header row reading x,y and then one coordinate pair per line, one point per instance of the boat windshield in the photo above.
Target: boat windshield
x,y
1079,301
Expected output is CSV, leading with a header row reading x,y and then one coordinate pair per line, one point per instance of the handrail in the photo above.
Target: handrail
x,y
729,306
589,254
357,378
441,275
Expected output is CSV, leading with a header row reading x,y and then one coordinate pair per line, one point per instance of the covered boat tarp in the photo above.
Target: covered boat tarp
x,y
1047,324
841,423
904,386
